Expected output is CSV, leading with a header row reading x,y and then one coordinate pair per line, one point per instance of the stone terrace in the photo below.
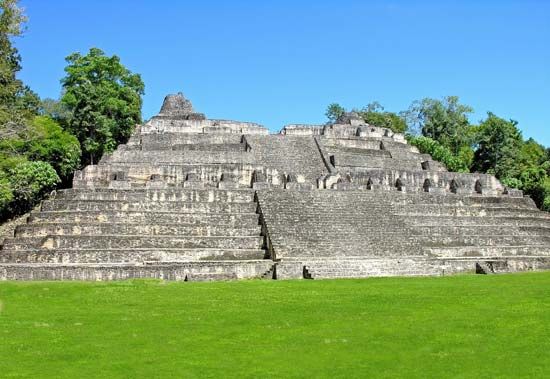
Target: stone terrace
x,y
189,198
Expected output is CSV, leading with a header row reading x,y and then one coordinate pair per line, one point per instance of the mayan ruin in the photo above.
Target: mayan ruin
x,y
191,198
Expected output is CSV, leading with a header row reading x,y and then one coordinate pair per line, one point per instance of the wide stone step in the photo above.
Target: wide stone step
x,y
482,240
171,271
130,242
395,229
417,198
357,153
168,139
361,268
210,155
158,206
176,195
503,222
245,219
436,210
135,255
489,251
480,229
35,230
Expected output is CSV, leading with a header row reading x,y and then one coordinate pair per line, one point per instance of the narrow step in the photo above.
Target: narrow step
x,y
134,255
131,242
44,229
169,195
157,206
169,271
246,219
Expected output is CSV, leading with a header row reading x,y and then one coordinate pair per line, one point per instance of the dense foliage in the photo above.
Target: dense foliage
x,y
17,101
39,140
334,111
427,145
104,99
374,114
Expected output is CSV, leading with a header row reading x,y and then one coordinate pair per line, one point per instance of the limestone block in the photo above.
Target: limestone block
x,y
289,270
512,192
156,184
120,184
331,179
261,185
299,186
436,190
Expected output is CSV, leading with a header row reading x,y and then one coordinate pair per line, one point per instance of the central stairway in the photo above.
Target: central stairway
x,y
181,234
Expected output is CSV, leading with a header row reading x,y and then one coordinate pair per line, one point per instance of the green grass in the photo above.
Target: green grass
x,y
459,327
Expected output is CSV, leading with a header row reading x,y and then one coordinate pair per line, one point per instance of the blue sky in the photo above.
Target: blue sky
x,y
283,62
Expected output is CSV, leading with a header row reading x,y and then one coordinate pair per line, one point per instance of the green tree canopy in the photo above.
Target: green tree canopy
x,y
44,140
445,121
30,181
334,111
104,98
499,144
17,101
374,114
47,141
440,153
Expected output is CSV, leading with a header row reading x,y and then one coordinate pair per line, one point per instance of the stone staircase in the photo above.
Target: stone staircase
x,y
210,233
390,233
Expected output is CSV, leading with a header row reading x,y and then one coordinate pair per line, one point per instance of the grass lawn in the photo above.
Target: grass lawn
x,y
470,326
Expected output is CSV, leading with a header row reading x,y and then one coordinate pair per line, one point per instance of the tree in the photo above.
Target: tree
x,y
104,98
55,110
43,139
334,111
438,152
17,101
47,141
445,121
499,144
6,196
30,181
374,114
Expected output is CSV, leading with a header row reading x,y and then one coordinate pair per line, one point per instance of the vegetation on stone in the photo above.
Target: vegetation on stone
x,y
461,326
438,152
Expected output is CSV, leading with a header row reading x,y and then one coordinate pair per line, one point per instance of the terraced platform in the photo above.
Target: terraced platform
x,y
189,198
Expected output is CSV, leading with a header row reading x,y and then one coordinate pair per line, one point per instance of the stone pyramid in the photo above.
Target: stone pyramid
x,y
191,198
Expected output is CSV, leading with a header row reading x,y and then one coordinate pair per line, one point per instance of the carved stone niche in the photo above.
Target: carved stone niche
x,y
228,180
512,192
430,186
155,181
480,189
119,180
193,181
374,184
291,182
400,184
458,188
259,180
